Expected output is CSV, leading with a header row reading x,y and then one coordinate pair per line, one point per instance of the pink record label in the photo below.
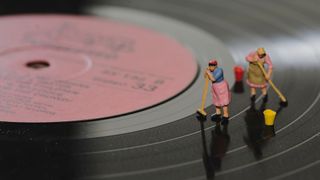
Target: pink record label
x,y
67,68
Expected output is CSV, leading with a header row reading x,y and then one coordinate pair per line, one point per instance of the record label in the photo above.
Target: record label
x,y
66,68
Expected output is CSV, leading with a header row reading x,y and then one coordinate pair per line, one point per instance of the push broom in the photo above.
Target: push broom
x,y
201,111
281,96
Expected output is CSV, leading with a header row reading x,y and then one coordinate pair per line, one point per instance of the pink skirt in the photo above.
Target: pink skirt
x,y
221,95
252,85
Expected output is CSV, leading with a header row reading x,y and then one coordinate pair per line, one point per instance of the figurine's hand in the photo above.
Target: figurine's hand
x,y
267,77
205,74
255,59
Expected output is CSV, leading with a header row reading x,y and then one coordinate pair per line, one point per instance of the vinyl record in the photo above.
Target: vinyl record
x,y
111,93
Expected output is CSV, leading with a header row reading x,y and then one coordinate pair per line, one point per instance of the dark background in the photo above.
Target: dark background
x,y
41,6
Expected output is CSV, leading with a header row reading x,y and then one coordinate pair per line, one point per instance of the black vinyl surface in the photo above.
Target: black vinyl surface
x,y
187,148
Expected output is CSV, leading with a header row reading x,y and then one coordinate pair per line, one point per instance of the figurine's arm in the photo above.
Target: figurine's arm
x,y
251,57
270,66
210,76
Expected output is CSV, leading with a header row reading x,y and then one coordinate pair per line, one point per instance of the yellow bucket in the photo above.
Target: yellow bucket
x,y
269,117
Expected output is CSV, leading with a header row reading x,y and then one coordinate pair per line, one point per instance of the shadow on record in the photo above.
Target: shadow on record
x,y
238,87
258,133
212,157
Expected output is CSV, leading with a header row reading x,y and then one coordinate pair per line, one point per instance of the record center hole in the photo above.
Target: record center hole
x,y
38,64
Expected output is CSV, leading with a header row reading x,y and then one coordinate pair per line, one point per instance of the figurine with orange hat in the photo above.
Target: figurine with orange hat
x,y
256,78
221,95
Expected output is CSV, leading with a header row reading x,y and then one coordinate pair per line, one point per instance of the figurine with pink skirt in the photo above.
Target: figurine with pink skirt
x,y
221,95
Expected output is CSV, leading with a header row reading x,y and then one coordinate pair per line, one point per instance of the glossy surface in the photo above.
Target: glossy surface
x,y
288,29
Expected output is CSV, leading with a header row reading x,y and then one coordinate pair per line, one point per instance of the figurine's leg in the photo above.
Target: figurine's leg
x,y
225,111
225,117
253,91
253,94
217,117
218,110
265,94
264,91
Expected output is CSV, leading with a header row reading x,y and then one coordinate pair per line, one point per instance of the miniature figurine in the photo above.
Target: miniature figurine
x,y
256,76
221,95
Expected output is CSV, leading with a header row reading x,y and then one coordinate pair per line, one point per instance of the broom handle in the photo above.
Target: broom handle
x,y
271,83
204,93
